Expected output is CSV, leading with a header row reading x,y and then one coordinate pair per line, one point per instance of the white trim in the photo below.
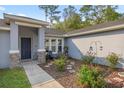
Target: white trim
x,y
53,38
27,19
4,28
50,48
13,51
56,45
28,24
41,50
55,52
63,45
51,35
97,30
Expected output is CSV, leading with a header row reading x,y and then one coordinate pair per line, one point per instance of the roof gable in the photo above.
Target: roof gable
x,y
9,17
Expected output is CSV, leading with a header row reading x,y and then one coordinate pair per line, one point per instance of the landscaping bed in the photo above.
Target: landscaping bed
x,y
69,80
13,78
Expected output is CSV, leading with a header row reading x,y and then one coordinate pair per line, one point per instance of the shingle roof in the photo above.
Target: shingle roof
x,y
98,26
54,32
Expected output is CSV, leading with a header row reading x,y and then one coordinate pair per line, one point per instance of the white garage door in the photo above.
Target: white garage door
x,y
4,49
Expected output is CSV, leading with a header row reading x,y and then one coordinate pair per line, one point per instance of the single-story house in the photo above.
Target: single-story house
x,y
24,38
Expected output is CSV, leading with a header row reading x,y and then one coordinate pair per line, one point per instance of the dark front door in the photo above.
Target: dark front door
x,y
25,48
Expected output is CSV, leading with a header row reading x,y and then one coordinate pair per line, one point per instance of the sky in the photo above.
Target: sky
x,y
33,11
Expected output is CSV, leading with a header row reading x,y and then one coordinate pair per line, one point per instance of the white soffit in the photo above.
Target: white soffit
x,y
28,24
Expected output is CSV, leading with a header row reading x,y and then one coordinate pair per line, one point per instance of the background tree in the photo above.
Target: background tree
x,y
51,12
111,14
98,14
45,8
72,20
67,12
56,18
86,16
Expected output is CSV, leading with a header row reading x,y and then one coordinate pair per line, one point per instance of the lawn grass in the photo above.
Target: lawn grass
x,y
13,78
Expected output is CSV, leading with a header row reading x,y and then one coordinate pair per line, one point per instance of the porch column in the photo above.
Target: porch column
x,y
14,51
41,47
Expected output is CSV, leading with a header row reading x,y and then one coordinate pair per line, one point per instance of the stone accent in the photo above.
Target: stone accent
x,y
118,79
41,57
72,63
49,64
72,71
69,67
121,74
15,60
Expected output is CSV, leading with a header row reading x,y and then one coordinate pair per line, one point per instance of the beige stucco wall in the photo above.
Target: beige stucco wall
x,y
30,33
111,42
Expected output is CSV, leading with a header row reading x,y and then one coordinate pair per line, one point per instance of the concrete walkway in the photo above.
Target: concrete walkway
x,y
38,77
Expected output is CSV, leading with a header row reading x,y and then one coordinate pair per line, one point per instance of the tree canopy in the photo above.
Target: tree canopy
x,y
86,16
98,14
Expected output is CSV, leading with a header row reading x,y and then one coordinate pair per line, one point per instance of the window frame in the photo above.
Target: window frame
x,y
56,44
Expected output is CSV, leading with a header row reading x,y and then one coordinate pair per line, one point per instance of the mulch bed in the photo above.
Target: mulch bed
x,y
69,80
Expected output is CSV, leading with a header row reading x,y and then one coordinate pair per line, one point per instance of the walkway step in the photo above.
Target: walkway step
x,y
49,84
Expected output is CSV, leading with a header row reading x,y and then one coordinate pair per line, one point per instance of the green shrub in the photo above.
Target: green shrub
x,y
91,77
62,56
113,59
88,58
60,64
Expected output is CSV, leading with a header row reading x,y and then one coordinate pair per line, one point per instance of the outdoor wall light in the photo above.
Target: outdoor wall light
x,y
101,48
91,48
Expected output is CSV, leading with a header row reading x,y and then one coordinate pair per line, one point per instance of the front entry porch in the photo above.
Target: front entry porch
x,y
26,43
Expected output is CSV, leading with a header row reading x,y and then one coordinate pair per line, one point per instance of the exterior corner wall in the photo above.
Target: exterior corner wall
x,y
110,41
4,49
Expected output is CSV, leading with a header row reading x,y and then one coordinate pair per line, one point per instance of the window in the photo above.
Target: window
x,y
59,45
53,45
47,44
